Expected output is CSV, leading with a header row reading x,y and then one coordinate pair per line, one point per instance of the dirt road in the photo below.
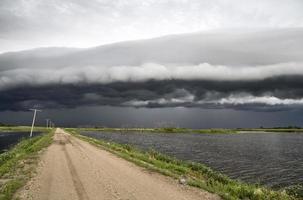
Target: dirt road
x,y
72,169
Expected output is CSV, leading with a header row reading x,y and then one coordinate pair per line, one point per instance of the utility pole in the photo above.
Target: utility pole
x,y
51,124
34,118
47,123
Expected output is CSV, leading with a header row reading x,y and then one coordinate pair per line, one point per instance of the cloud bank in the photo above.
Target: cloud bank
x,y
147,72
257,70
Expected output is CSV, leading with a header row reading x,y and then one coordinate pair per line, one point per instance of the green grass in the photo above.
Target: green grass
x,y
17,164
196,174
296,191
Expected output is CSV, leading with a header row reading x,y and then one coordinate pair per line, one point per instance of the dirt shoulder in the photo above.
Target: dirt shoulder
x,y
74,169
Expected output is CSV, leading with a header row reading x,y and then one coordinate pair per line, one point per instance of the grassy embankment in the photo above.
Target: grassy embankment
x,y
17,165
195,174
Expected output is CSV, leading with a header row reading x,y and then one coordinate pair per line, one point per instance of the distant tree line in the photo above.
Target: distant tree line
x,y
3,124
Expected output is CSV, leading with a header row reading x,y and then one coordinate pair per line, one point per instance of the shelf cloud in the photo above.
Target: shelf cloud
x,y
256,70
146,72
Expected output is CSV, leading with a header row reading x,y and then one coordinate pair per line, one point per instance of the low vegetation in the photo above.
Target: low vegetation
x,y
296,191
194,174
3,124
17,164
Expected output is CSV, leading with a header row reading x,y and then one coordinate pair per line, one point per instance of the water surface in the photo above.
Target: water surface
x,y
272,159
9,139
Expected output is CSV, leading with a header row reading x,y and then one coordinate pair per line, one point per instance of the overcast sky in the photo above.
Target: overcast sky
x,y
212,58
27,24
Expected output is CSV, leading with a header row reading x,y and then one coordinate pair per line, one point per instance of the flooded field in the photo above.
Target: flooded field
x,y
8,139
272,159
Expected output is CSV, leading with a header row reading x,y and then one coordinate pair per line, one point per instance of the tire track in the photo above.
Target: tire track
x,y
81,192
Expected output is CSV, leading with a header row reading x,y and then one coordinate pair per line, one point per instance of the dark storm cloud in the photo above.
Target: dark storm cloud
x,y
257,70
172,93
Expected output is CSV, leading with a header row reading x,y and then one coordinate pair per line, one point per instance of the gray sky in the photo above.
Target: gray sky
x,y
145,117
28,24
211,58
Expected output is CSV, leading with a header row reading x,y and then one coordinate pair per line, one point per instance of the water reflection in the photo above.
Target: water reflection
x,y
8,139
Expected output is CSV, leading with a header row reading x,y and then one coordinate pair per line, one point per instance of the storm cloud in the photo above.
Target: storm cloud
x,y
256,70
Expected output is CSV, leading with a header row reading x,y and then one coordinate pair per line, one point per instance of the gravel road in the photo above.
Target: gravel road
x,y
73,169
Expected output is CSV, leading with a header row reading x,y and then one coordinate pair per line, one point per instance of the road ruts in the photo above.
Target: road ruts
x,y
72,169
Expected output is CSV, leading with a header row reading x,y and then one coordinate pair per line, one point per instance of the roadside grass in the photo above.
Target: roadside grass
x,y
195,174
296,191
17,165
